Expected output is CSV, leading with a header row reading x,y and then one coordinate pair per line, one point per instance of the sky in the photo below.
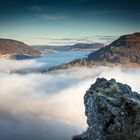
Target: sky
x,y
37,22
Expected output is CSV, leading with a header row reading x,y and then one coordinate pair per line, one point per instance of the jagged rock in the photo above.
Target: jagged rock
x,y
113,112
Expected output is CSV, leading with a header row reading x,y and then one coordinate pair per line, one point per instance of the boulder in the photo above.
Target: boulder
x,y
113,112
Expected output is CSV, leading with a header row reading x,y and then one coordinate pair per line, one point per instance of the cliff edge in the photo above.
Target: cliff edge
x,y
113,112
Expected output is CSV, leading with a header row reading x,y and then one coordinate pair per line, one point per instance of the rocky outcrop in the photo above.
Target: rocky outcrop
x,y
113,112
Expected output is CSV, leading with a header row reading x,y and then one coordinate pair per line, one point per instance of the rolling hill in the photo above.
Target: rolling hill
x,y
12,48
124,50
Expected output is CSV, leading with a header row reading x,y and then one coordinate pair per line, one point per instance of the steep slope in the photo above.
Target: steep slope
x,y
126,49
10,48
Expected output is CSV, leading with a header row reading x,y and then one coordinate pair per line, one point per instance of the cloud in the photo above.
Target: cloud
x,y
52,17
36,103
11,66
58,41
105,39
36,8
86,39
50,106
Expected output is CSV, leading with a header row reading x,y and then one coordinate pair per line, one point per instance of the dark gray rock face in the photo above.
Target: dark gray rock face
x,y
113,112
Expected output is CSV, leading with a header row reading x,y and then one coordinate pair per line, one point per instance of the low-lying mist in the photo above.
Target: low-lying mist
x,y
22,66
50,106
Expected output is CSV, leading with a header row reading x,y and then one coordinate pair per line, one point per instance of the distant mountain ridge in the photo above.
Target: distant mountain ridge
x,y
10,48
126,49
85,46
75,47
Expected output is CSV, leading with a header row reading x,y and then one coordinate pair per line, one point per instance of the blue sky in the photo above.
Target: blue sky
x,y
68,22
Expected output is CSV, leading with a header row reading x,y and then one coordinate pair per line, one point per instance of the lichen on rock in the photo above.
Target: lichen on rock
x,y
113,112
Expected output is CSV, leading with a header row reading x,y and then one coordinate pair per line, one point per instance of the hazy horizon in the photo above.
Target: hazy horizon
x,y
42,89
61,22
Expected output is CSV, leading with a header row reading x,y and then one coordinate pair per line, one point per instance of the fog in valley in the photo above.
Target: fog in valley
x,y
49,106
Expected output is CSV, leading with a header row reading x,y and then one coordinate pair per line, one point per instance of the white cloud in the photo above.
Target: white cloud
x,y
69,41
9,66
50,106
